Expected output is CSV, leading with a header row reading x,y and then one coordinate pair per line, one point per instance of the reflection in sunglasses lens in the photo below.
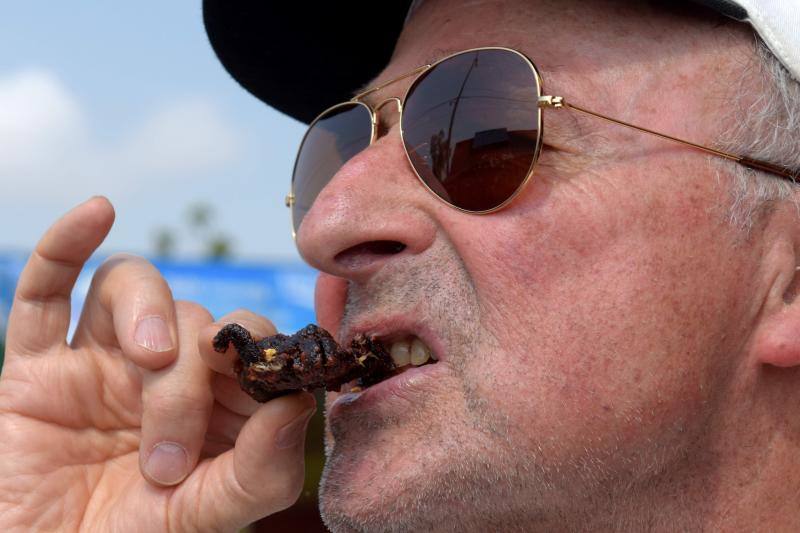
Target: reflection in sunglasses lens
x,y
330,142
471,127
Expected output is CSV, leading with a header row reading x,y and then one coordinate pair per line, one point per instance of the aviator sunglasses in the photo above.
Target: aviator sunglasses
x,y
471,127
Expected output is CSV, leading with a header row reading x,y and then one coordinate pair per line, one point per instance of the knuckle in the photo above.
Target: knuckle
x,y
120,258
128,268
254,320
192,311
179,403
287,488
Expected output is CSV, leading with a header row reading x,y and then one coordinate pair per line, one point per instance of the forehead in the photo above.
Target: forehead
x,y
371,92
438,28
576,39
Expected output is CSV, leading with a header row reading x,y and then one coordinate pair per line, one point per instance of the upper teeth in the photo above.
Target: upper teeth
x,y
410,351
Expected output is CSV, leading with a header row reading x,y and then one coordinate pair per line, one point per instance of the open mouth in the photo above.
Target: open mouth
x,y
311,359
406,353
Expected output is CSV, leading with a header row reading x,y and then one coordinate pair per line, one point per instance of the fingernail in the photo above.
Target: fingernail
x,y
167,463
152,334
294,432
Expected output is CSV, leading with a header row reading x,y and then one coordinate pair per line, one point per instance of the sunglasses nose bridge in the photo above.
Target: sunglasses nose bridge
x,y
392,99
377,108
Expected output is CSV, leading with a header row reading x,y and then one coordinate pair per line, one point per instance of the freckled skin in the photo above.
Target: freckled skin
x,y
599,365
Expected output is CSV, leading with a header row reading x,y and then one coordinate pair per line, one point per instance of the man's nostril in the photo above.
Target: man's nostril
x,y
385,247
363,254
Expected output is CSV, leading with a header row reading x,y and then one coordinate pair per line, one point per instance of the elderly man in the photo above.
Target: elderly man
x,y
604,324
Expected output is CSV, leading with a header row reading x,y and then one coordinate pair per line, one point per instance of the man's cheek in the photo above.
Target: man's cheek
x,y
553,407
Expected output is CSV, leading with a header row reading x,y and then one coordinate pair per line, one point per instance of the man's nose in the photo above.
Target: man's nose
x,y
372,211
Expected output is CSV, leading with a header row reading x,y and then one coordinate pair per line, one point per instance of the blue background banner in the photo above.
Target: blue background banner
x,y
281,291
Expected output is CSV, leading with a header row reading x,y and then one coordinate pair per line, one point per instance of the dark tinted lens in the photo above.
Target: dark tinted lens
x,y
471,127
332,140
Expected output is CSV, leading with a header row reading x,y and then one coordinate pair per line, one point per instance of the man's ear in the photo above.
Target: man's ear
x,y
777,336
779,343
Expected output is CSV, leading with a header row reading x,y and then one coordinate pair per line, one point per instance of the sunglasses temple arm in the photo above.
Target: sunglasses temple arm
x,y
744,161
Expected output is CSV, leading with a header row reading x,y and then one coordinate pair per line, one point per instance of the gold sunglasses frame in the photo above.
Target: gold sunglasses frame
x,y
544,102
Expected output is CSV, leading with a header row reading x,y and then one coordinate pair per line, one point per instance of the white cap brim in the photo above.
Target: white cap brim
x,y
776,21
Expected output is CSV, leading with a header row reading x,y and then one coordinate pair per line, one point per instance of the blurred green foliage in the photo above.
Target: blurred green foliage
x,y
201,225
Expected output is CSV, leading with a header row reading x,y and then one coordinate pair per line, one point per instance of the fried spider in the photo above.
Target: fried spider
x,y
307,360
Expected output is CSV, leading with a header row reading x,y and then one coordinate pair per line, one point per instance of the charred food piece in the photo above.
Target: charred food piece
x,y
309,359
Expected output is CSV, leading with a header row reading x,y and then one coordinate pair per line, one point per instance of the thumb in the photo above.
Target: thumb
x,y
261,475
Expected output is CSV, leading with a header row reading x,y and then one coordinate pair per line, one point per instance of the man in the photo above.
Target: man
x,y
616,346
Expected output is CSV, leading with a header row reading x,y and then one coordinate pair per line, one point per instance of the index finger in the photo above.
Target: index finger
x,y
40,313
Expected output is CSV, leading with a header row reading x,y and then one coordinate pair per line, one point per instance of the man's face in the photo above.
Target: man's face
x,y
584,333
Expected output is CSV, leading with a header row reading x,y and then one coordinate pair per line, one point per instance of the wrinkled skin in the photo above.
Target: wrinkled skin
x,y
613,355
603,339
79,419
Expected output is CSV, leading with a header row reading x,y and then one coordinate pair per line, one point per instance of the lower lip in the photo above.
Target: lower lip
x,y
402,387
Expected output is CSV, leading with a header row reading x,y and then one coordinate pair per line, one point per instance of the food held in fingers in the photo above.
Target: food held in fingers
x,y
309,359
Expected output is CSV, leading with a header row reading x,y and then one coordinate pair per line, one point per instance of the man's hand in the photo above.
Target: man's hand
x,y
126,428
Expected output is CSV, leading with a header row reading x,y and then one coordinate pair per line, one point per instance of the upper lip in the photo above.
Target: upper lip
x,y
390,329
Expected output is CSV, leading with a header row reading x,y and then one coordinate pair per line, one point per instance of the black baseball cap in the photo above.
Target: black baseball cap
x,y
301,59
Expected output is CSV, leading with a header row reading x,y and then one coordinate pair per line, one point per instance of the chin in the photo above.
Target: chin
x,y
385,507
387,449
372,486
391,478
378,483
410,455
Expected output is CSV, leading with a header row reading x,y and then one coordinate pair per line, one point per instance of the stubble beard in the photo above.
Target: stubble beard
x,y
465,474
467,467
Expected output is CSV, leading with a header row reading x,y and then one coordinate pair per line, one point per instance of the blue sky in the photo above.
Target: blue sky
x,y
128,100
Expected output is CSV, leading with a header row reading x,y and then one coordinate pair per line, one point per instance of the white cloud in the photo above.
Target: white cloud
x,y
45,143
187,137
40,123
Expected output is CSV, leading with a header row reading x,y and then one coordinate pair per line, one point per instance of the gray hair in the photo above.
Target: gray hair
x,y
766,128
